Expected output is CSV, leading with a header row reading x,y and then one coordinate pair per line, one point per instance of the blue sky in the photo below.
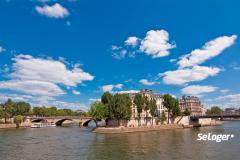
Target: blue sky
x,y
66,53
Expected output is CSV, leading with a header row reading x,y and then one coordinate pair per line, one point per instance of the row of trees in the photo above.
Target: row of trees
x,y
215,110
118,107
12,109
143,103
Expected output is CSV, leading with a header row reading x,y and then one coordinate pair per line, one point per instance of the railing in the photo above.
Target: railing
x,y
60,117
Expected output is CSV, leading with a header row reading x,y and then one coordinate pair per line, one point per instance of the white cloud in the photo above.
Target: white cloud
x,y
32,87
128,91
224,90
110,87
94,99
26,67
198,90
132,41
70,105
15,97
208,51
54,11
75,92
235,66
2,49
120,54
156,43
182,76
147,82
230,98
41,78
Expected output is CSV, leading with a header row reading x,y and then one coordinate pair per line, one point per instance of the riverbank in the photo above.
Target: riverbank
x,y
13,125
137,129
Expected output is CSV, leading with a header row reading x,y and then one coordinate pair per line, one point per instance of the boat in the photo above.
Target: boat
x,y
42,125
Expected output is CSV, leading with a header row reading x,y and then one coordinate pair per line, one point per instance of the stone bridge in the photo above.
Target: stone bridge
x,y
59,120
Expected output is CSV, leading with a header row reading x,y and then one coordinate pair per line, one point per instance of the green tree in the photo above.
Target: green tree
x,y
38,111
168,102
152,108
22,108
1,112
163,117
186,112
121,106
146,107
107,100
139,102
98,110
176,110
215,110
172,106
9,109
18,120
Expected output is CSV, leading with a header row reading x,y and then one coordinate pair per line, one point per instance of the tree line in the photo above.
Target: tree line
x,y
11,109
118,107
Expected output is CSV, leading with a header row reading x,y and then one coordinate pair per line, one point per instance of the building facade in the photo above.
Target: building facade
x,y
192,104
150,95
231,111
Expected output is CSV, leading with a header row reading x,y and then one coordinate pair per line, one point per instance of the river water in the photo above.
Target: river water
x,y
74,143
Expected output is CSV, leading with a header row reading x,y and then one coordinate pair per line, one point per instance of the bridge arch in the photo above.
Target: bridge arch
x,y
39,120
85,124
59,122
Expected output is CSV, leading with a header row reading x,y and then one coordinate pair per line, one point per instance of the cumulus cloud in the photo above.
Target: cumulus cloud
x,y
182,76
208,51
110,87
32,87
54,11
26,67
41,78
198,89
132,41
147,82
156,43
75,92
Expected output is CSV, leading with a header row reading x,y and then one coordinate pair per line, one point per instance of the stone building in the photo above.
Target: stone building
x,y
151,95
192,104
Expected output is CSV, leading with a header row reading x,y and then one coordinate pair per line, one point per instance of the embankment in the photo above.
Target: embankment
x,y
135,129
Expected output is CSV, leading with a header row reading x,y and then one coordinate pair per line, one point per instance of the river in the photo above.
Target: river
x,y
74,143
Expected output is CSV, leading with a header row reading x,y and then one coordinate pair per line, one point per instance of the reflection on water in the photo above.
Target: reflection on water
x,y
74,143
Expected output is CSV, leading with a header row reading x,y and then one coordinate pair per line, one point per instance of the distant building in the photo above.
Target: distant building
x,y
231,111
151,95
192,104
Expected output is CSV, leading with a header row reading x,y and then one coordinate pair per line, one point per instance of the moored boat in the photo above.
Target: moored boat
x,y
42,125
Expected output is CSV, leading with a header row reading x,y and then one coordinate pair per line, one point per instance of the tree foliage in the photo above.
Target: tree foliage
x,y
10,109
18,120
186,112
98,110
215,110
152,108
163,117
172,106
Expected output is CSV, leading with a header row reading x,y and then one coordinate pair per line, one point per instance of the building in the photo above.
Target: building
x,y
192,104
231,111
151,95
